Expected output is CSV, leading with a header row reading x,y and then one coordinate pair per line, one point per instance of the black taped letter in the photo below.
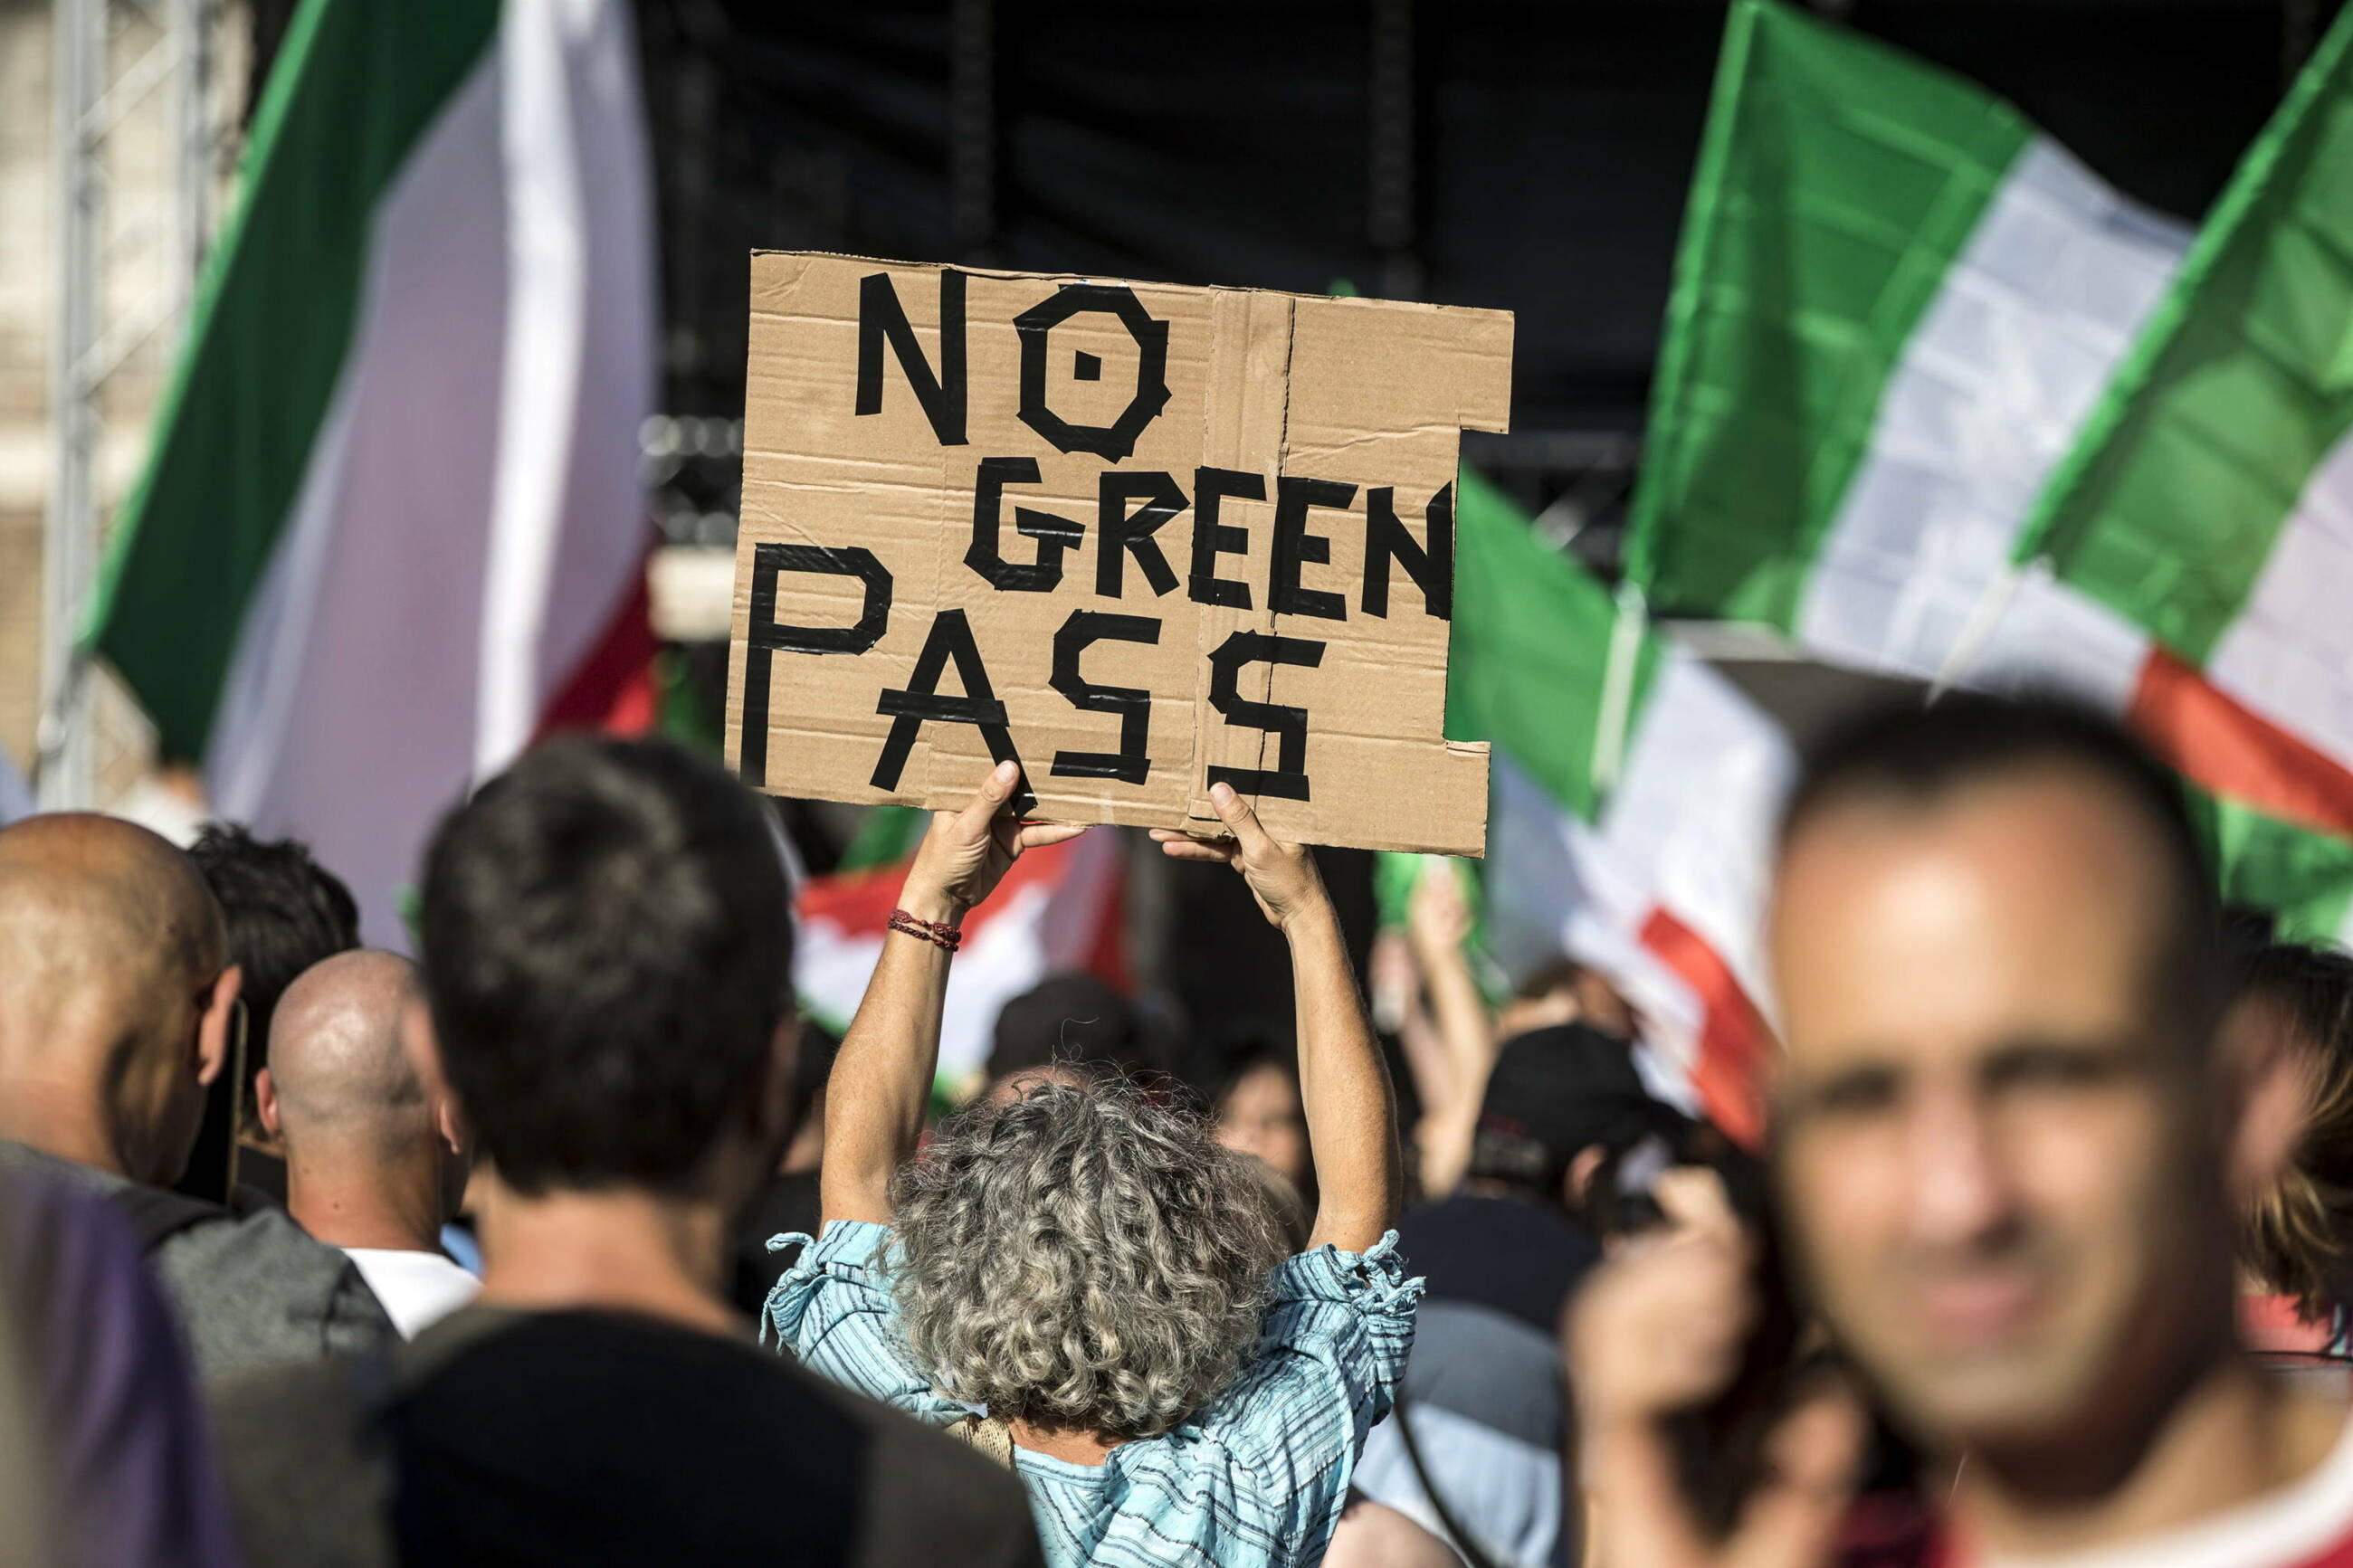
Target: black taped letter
x,y
1131,764
1053,534
1287,780
921,703
1119,530
1430,566
1212,539
1294,546
765,638
880,317
1035,326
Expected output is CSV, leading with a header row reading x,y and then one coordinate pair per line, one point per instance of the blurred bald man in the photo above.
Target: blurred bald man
x,y
375,1163
118,1005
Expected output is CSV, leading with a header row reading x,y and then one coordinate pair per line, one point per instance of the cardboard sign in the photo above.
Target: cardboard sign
x,y
1141,537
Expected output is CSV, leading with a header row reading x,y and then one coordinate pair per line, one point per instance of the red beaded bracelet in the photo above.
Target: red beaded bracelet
x,y
939,933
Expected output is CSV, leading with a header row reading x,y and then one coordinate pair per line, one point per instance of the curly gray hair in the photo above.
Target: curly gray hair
x,y
1082,1257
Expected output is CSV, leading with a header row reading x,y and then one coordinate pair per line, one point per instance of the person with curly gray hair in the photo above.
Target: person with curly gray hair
x,y
1079,1279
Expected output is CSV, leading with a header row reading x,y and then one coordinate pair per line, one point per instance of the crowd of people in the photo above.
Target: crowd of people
x,y
569,1242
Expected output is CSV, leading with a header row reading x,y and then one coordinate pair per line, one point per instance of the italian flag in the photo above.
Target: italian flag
x,y
1898,309
1060,908
391,527
1636,792
2205,519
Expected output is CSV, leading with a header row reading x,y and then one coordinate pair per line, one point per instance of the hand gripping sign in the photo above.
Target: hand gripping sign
x,y
1140,538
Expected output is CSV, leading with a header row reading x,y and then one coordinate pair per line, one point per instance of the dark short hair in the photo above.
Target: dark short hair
x,y
1551,1094
607,954
1066,1018
1907,755
286,912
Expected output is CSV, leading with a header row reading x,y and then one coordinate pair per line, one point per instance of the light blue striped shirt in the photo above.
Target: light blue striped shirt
x,y
1256,1477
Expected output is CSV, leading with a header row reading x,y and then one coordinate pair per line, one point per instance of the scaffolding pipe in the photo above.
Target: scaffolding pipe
x,y
65,770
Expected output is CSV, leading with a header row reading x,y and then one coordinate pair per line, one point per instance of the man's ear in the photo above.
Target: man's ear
x,y
450,1122
265,1102
423,1049
2272,1076
217,1026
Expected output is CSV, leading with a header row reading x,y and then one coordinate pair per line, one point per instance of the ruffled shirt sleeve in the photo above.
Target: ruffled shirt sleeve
x,y
833,1311
1338,1326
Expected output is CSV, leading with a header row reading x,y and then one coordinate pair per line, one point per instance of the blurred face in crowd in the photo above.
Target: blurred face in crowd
x,y
1996,1151
1260,1115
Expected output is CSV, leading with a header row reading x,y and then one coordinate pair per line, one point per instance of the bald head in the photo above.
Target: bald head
x,y
107,932
336,1065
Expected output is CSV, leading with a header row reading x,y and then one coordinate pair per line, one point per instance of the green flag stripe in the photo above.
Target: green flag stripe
x,y
1838,181
1530,648
355,85
2305,877
2170,504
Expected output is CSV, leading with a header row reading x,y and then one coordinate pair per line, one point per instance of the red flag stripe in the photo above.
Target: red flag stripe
x,y
612,687
2204,734
1734,1047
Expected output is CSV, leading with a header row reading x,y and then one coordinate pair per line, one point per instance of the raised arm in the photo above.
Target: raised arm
x,y
1437,920
1342,1080
882,1081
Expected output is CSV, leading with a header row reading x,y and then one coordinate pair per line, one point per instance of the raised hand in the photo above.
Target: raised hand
x,y
1659,1330
965,854
1281,877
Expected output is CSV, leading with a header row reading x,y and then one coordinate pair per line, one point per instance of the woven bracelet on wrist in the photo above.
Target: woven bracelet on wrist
x,y
939,933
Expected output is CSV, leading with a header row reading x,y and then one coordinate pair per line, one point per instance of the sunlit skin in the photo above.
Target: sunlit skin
x,y
1999,1153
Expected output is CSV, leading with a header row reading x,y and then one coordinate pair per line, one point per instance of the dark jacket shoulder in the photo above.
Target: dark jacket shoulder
x,y
251,1290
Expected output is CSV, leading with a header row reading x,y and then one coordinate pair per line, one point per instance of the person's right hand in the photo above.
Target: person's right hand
x,y
967,853
1281,877
1437,913
1659,1330
1660,1327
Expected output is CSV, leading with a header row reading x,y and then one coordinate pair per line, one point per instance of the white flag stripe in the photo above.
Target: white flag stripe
x,y
1554,887
2289,655
350,714
1696,806
580,365
2050,638
1987,397
546,321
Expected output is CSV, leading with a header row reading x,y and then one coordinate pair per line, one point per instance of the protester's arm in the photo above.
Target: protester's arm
x,y
881,1080
1437,920
1342,1080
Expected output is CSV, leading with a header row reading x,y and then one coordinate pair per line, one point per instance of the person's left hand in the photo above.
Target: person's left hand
x,y
967,853
1281,877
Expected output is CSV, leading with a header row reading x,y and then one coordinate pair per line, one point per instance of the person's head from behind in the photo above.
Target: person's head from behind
x,y
2001,1129
285,914
1251,1082
1560,1103
118,998
607,959
1058,1028
1563,991
343,1093
2295,1002
1082,1258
